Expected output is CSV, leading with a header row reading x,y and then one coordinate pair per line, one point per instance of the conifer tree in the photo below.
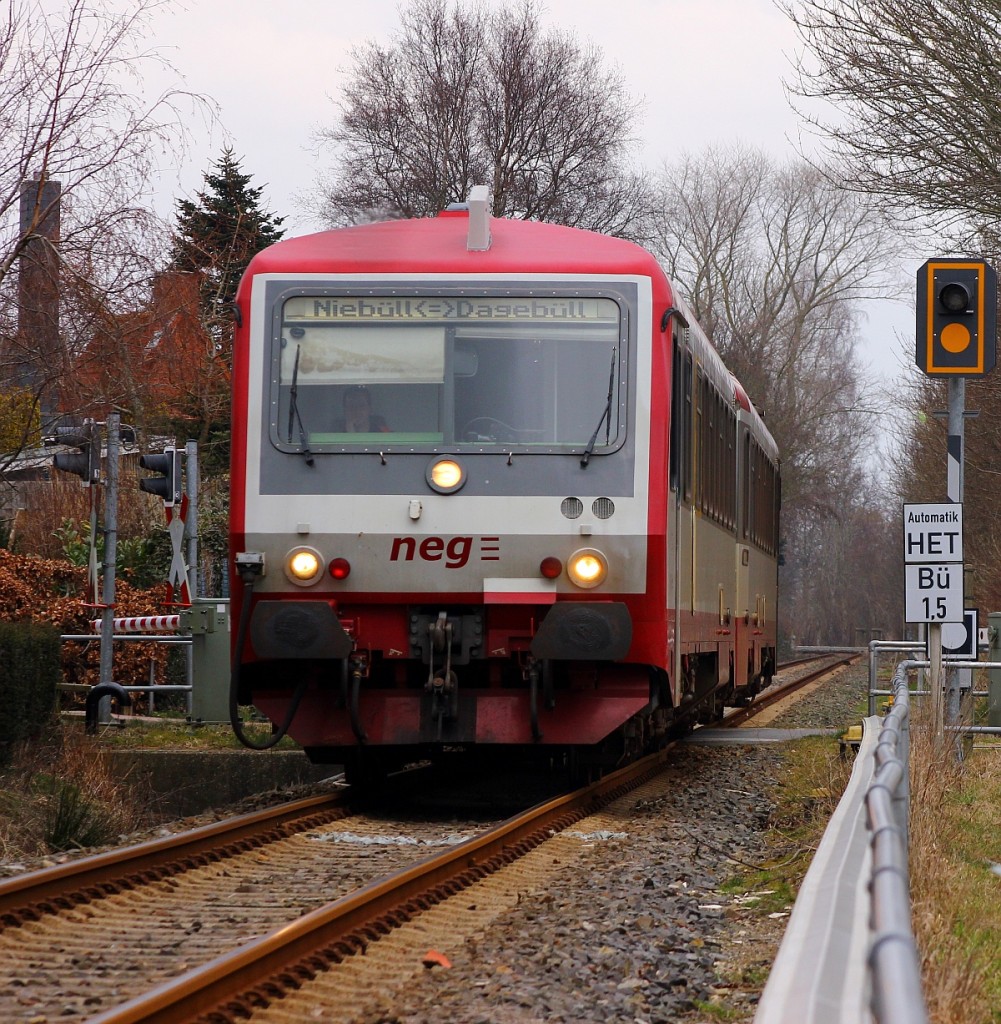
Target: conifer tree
x,y
216,237
220,233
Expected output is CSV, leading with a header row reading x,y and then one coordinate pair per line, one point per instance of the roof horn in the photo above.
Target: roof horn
x,y
478,238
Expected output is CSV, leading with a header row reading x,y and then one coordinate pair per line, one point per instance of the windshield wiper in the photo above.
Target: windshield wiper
x,y
293,411
606,417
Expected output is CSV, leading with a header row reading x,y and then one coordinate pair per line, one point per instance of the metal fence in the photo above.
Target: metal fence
x,y
894,965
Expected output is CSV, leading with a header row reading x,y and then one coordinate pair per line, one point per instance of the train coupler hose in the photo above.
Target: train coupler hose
x,y
357,670
251,566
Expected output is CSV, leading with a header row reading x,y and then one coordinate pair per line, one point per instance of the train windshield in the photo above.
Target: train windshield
x,y
483,372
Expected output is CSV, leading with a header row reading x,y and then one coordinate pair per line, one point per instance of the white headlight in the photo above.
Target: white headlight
x,y
304,566
445,475
587,568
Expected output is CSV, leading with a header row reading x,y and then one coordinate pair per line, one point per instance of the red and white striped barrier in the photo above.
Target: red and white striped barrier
x,y
142,624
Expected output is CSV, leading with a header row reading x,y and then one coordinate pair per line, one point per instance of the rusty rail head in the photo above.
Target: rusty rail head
x,y
261,970
35,893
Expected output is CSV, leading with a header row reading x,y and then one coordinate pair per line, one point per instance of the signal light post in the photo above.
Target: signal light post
x,y
956,338
167,485
86,464
956,318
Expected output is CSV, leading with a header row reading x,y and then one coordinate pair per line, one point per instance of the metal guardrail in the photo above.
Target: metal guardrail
x,y
848,955
203,633
819,974
894,965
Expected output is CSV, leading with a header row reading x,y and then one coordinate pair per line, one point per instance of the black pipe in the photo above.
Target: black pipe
x,y
94,698
356,727
234,679
533,699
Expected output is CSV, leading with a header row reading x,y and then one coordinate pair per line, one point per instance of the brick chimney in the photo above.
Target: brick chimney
x,y
40,357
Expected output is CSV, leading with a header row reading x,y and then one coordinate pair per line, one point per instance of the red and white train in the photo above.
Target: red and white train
x,y
491,485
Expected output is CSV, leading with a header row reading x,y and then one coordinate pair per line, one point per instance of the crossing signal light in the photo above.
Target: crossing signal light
x,y
86,461
167,485
956,317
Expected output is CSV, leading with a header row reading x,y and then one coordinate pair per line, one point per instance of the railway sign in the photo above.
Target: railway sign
x,y
933,592
933,533
960,639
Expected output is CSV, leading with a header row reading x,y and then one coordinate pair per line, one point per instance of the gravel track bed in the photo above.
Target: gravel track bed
x,y
834,705
643,932
71,965
638,930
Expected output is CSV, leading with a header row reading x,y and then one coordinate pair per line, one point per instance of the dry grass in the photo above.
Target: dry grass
x,y
956,896
62,795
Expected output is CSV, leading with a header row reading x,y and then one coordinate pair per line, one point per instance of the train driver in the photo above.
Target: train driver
x,y
358,415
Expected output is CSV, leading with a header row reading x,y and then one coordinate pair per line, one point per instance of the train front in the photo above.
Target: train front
x,y
441,488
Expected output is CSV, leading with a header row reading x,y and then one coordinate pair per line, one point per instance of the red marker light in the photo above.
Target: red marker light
x,y
550,567
340,568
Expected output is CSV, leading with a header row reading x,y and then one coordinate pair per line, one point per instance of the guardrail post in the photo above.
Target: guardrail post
x,y
994,684
873,681
108,579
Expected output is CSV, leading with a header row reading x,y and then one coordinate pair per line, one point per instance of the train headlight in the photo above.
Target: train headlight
x,y
304,566
587,568
445,475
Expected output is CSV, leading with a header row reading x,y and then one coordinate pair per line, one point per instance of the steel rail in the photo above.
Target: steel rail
x,y
257,972
772,696
27,896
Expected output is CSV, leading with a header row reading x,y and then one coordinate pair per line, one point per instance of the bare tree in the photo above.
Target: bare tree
x,y
912,91
922,476
775,260
464,97
79,143
845,584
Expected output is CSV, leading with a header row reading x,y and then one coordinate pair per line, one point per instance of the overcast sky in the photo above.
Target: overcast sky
x,y
706,71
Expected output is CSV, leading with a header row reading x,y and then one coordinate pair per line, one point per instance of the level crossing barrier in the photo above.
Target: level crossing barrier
x,y
203,629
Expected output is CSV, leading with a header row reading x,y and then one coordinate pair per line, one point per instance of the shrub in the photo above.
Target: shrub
x,y
54,593
30,656
62,794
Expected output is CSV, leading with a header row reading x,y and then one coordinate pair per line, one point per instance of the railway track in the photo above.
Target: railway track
x,y
31,896
407,912
776,694
84,936
161,923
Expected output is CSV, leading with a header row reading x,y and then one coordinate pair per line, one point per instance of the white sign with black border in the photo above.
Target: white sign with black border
x,y
933,593
960,639
933,532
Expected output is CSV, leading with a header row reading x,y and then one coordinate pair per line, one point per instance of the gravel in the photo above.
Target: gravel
x,y
643,931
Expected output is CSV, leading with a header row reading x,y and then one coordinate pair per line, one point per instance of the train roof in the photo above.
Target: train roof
x,y
724,379
438,245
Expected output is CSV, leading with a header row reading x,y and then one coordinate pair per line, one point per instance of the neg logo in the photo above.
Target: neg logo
x,y
455,551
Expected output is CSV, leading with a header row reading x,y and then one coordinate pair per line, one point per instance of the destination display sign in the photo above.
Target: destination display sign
x,y
356,309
